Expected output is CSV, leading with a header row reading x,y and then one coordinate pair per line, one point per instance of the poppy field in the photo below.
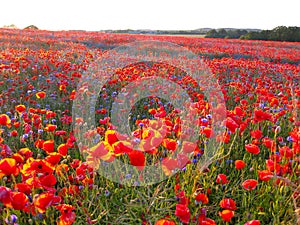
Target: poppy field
x,y
231,159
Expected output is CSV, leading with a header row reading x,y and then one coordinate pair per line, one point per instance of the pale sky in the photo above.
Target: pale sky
x,y
96,15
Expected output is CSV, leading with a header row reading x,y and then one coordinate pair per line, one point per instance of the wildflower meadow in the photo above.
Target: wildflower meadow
x,y
102,128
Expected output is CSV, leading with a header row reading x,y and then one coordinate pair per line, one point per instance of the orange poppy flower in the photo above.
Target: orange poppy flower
x,y
111,136
45,200
40,94
170,144
8,166
5,120
50,128
20,108
61,169
36,166
226,215
103,151
239,164
164,222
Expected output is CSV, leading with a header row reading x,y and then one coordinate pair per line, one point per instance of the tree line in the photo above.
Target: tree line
x,y
281,33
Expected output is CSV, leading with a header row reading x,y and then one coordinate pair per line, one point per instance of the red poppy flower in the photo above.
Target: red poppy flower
x,y
254,149
260,116
183,213
168,165
25,152
14,133
24,188
257,134
182,198
18,200
226,215
170,144
206,221
264,175
137,158
253,222
67,215
188,147
270,144
121,147
239,164
228,203
286,152
250,184
62,150
273,166
239,111
207,131
5,196
53,158
48,146
202,198
231,124
222,179
47,180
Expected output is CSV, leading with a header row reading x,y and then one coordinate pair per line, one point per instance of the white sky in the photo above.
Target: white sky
x,y
155,14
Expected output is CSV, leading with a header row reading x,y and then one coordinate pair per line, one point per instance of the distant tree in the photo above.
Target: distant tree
x,y
222,33
10,26
31,27
212,34
281,33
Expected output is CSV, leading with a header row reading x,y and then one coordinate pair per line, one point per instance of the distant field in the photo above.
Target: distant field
x,y
183,35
